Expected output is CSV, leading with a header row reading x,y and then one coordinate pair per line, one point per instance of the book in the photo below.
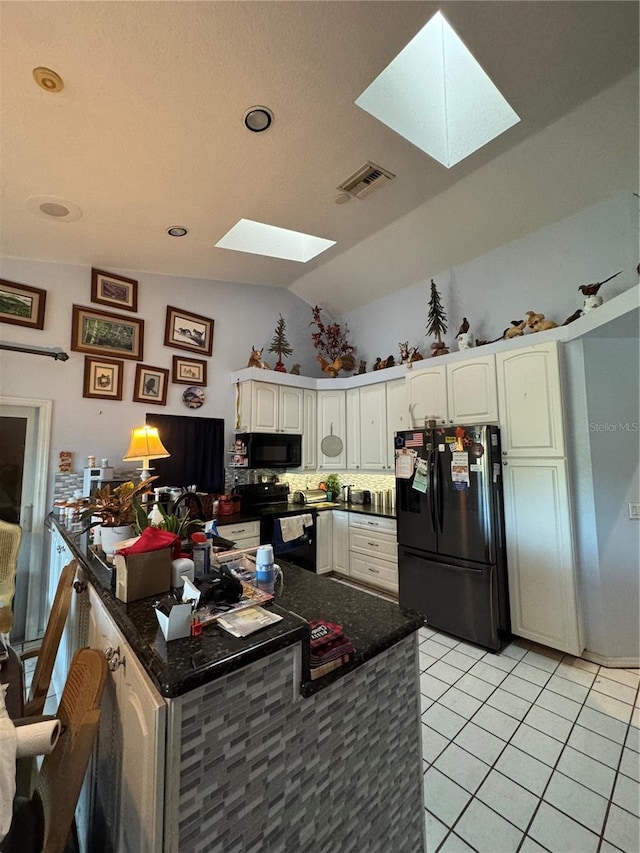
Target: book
x,y
241,623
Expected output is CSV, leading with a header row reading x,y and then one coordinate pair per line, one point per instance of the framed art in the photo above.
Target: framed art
x,y
184,330
150,385
22,305
114,290
103,378
99,333
188,371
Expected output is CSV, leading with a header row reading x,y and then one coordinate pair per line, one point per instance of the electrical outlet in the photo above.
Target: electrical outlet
x,y
634,510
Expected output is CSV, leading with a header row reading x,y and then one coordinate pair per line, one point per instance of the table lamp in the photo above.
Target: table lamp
x,y
145,445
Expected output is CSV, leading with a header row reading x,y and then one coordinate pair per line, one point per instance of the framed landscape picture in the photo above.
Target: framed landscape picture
x,y
189,371
150,385
187,331
22,305
114,290
103,378
99,333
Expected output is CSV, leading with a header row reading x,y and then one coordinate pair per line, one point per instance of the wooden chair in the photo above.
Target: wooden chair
x,y
48,649
10,537
43,822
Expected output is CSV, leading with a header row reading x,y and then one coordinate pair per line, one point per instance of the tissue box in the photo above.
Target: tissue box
x,y
142,575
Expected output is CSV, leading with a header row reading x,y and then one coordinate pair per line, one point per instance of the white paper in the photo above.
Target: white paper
x,y
460,467
404,466
37,738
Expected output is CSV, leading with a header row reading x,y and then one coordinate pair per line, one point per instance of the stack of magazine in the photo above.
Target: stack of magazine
x,y
330,647
245,621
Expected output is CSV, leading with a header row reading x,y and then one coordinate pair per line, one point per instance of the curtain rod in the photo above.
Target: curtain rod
x,y
55,353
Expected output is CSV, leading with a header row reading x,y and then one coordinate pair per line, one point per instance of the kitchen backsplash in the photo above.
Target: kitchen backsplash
x,y
311,479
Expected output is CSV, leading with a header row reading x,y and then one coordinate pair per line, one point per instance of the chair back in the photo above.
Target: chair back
x,y
62,771
50,642
10,536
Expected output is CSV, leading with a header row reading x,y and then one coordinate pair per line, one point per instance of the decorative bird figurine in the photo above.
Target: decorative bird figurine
x,y
464,328
592,289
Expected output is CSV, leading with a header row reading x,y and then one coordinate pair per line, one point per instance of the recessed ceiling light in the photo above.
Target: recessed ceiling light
x,y
177,231
257,238
48,79
258,119
51,207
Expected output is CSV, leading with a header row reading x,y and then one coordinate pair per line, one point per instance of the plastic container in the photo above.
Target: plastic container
x,y
265,569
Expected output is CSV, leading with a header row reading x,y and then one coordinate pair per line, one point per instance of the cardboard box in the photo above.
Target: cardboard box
x,y
142,575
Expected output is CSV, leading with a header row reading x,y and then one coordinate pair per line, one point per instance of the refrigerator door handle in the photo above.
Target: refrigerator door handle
x,y
431,461
439,497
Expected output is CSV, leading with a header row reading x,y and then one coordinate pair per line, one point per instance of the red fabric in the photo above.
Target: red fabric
x,y
154,539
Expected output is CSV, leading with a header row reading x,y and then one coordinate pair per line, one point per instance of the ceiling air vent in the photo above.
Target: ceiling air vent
x,y
366,180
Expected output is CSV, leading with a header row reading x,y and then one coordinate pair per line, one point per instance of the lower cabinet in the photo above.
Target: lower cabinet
x,y
340,541
126,781
324,529
540,555
373,556
245,534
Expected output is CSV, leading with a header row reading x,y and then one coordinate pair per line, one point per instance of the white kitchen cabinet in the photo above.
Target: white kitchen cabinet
x,y
540,553
340,541
373,427
472,394
332,422
427,395
245,534
397,410
59,557
310,431
265,407
324,531
352,402
373,556
530,401
128,762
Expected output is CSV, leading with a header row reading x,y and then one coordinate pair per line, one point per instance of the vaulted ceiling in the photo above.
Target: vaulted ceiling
x,y
148,133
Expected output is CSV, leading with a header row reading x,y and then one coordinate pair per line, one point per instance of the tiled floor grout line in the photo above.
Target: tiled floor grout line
x,y
532,703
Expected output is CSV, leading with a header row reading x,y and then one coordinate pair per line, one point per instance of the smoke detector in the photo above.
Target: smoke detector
x,y
366,180
53,208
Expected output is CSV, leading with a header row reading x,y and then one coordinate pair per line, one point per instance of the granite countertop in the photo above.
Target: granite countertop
x,y
176,667
291,508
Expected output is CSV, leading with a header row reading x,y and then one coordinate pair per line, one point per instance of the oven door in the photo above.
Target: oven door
x,y
293,538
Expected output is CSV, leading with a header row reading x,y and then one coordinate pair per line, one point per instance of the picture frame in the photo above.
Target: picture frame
x,y
22,305
103,378
150,385
188,371
187,331
101,333
114,290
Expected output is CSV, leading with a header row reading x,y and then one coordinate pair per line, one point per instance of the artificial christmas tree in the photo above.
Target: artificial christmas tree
x,y
280,345
437,322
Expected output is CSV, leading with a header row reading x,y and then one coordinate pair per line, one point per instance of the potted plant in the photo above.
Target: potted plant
x,y
116,510
336,353
333,486
183,525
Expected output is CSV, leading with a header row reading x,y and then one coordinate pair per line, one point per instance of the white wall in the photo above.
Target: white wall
x,y
244,315
540,272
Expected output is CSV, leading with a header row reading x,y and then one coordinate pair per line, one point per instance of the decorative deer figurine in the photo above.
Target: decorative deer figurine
x,y
408,355
255,359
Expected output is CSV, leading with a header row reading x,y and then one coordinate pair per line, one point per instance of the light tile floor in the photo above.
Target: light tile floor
x,y
528,750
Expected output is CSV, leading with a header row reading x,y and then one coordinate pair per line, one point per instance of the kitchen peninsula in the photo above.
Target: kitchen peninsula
x,y
226,744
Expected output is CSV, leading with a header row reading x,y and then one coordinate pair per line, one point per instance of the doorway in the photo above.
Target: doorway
x,y
25,427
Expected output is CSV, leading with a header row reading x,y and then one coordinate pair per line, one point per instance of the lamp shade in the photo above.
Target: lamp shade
x,y
145,444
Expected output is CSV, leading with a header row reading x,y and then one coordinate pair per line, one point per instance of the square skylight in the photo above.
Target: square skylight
x,y
436,95
260,239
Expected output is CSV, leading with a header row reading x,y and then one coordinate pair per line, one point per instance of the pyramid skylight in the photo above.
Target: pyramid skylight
x,y
436,95
260,239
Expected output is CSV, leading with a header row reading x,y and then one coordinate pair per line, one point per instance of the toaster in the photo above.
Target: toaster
x,y
360,496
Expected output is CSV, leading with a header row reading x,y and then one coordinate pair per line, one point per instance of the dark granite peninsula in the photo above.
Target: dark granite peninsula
x,y
226,744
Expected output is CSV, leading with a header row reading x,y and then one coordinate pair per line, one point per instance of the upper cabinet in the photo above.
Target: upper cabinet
x,y
310,431
471,391
530,401
331,430
266,407
374,434
352,397
397,407
463,392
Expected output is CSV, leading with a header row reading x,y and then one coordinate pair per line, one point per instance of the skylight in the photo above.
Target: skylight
x,y
260,239
436,95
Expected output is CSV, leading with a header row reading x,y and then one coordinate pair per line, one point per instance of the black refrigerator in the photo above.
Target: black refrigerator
x,y
451,550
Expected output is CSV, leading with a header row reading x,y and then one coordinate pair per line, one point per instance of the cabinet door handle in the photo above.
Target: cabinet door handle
x,y
59,548
375,571
373,523
373,544
79,586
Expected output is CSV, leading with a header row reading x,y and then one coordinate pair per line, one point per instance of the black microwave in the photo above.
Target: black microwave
x,y
268,450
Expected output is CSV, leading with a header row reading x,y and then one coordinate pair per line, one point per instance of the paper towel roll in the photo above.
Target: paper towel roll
x,y
37,738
